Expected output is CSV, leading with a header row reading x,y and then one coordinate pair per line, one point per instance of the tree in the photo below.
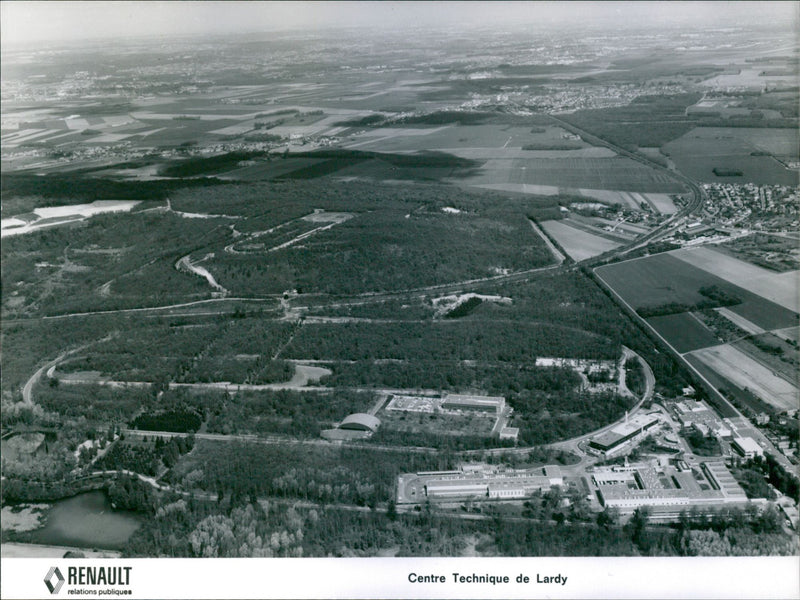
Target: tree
x,y
609,517
637,528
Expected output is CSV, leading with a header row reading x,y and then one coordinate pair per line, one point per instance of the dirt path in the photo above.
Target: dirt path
x,y
185,264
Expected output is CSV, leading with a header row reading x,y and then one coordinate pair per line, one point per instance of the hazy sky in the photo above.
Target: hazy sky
x,y
64,21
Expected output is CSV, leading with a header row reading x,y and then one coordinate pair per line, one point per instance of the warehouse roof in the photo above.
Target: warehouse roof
x,y
360,421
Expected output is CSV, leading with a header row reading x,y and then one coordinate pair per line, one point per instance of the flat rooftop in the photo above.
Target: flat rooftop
x,y
748,444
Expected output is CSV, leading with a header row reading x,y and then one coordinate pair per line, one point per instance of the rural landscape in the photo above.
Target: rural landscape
x,y
519,290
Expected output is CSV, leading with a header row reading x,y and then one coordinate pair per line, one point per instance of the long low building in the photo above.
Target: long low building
x,y
477,481
489,404
614,440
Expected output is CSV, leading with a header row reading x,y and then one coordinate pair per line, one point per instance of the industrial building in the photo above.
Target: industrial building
x,y
666,487
477,481
361,422
509,433
487,404
697,414
747,447
614,440
358,426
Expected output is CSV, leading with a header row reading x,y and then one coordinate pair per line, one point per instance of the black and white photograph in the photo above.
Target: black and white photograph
x,y
401,299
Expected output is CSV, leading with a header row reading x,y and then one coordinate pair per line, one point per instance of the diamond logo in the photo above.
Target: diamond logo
x,y
54,580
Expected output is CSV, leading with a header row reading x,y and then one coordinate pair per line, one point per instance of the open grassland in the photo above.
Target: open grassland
x,y
578,244
780,288
741,397
747,373
662,279
683,331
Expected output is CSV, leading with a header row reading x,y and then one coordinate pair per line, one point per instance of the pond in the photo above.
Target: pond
x,y
88,521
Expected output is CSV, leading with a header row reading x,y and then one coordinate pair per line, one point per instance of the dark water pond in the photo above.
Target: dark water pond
x,y
87,521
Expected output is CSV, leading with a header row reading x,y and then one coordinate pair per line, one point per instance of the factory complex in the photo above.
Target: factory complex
x,y
476,481
667,488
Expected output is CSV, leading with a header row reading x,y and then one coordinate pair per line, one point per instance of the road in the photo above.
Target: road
x,y
27,389
677,354
572,445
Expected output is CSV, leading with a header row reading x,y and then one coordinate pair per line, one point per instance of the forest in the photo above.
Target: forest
x,y
286,412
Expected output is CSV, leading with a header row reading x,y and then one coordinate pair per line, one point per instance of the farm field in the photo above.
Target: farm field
x,y
748,78
58,215
575,173
780,288
774,353
578,244
662,203
664,279
702,149
684,332
765,314
783,143
790,333
727,388
481,138
740,321
747,373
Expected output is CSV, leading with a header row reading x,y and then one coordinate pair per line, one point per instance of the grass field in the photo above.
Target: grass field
x,y
683,331
579,244
747,373
780,288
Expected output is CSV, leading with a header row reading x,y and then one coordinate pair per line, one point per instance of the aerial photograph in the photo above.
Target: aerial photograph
x,y
400,279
